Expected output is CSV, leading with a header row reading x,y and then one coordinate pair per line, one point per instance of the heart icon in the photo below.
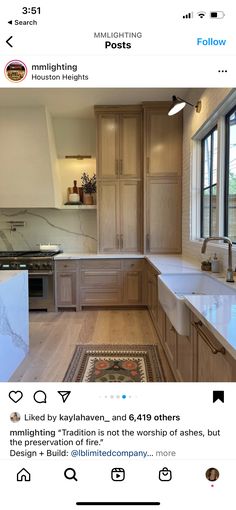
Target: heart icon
x,y
15,396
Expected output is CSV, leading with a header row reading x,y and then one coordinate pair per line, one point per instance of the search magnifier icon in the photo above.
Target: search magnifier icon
x,y
70,474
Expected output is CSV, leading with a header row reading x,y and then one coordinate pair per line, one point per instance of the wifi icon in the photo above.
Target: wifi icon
x,y
201,14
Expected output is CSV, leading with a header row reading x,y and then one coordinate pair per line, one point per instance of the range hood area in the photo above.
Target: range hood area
x,y
29,172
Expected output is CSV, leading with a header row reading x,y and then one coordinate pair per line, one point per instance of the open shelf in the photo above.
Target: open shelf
x,y
73,207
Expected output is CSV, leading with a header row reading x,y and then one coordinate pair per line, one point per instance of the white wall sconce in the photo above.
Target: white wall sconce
x,y
179,103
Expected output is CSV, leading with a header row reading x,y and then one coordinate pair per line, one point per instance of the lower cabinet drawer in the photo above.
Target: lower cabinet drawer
x,y
105,279
101,264
90,297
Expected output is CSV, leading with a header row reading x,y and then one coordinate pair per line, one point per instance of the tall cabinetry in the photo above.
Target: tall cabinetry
x,y
119,173
162,178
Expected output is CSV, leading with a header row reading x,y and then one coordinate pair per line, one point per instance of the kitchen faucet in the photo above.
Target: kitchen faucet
x,y
229,273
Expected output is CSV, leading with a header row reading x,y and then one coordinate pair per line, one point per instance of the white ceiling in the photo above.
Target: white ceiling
x,y
80,102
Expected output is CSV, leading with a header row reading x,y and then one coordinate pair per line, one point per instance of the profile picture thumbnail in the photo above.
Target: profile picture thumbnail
x,y
212,474
15,71
15,417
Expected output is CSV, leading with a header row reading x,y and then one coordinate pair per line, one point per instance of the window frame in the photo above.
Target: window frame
x,y
226,172
202,187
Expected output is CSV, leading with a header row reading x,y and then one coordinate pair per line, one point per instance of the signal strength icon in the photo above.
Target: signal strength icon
x,y
188,16
201,14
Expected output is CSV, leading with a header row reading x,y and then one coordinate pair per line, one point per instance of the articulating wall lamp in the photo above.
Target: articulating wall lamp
x,y
179,104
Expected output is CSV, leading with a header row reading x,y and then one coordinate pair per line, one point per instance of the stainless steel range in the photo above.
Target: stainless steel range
x,y
40,266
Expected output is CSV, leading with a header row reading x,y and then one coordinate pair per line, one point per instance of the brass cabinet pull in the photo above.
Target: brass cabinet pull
x,y
121,242
121,166
148,163
214,350
118,241
116,167
148,242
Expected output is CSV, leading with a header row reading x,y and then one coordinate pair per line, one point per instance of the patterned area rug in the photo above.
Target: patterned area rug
x,y
115,363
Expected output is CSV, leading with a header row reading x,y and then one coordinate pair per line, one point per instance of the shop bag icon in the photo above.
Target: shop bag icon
x,y
165,475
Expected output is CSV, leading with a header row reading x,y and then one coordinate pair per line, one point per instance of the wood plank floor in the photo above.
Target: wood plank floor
x,y
53,337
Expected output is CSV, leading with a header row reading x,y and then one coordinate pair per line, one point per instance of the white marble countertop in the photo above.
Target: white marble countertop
x,y
167,264
14,321
8,275
82,256
218,313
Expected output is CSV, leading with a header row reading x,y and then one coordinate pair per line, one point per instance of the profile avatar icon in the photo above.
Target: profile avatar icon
x,y
212,474
15,417
15,71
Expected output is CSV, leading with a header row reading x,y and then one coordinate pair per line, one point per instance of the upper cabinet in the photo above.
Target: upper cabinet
x,y
28,164
163,140
119,142
162,179
119,154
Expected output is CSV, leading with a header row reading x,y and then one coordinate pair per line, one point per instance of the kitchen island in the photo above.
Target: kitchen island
x,y
14,321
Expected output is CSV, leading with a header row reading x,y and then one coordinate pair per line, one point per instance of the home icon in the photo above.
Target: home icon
x,y
23,476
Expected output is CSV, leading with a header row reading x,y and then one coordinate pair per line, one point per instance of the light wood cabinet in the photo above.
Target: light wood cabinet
x,y
119,216
119,142
108,145
170,342
130,216
119,154
66,289
133,282
101,282
213,362
130,146
163,219
162,171
66,283
184,366
163,140
108,217
152,296
111,282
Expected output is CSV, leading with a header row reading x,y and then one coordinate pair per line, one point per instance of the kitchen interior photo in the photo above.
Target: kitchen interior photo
x,y
118,235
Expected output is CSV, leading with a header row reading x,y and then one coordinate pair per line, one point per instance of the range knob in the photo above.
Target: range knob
x,y
36,265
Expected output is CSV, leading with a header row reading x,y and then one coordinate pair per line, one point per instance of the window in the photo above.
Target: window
x,y
230,176
209,185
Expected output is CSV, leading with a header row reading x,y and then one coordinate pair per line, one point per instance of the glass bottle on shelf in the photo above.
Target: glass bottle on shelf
x,y
75,188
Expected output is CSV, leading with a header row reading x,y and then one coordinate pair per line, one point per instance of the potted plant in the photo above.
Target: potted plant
x,y
89,188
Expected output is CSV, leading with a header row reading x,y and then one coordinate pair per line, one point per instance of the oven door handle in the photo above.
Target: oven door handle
x,y
49,273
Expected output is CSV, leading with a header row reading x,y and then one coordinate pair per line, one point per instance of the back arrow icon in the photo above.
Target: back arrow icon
x,y
7,41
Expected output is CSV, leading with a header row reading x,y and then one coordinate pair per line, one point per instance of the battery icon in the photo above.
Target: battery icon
x,y
217,14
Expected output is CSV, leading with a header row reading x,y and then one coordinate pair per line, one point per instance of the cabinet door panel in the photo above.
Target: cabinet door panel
x,y
213,363
184,358
102,278
108,146
66,289
96,297
164,216
130,216
130,145
133,287
108,217
170,343
164,144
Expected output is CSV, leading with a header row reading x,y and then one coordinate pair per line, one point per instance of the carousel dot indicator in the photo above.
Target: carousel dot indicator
x,y
123,396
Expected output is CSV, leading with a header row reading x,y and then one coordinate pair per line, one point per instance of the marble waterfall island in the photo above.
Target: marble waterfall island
x,y
14,321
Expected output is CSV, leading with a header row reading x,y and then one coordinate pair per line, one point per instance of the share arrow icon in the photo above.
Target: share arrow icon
x,y
64,395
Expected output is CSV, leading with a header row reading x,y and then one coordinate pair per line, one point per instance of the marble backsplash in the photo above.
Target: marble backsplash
x,y
75,230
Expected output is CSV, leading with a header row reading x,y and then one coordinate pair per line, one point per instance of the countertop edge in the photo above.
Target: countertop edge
x,y
225,343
